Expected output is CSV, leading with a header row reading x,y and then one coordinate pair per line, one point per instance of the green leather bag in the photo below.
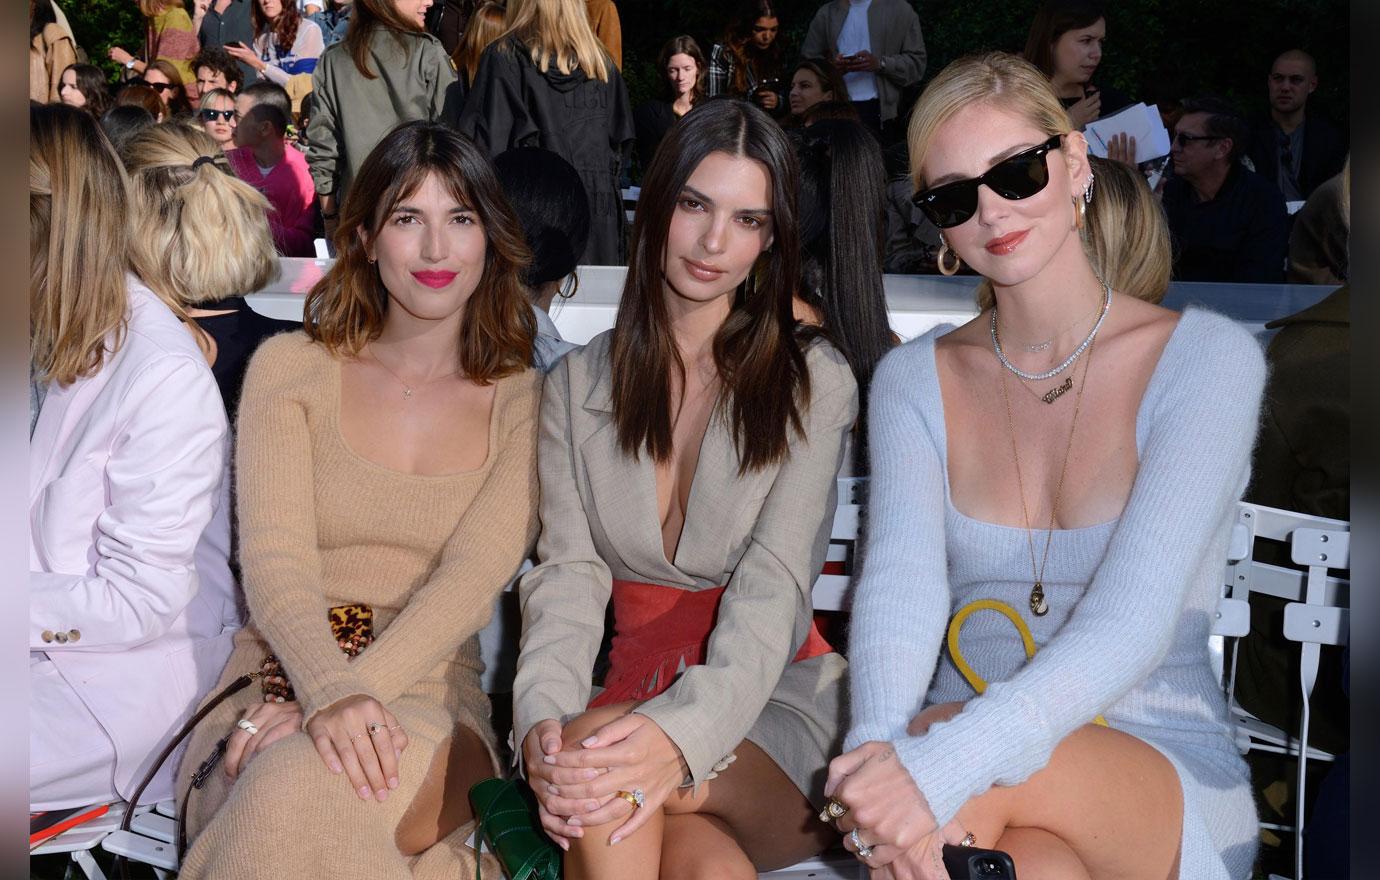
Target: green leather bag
x,y
506,812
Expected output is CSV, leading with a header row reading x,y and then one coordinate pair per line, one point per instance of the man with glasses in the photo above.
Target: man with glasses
x,y
1291,147
1228,223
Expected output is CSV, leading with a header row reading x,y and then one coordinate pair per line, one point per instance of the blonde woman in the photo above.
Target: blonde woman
x,y
386,472
203,242
1125,235
171,38
131,601
549,83
1071,459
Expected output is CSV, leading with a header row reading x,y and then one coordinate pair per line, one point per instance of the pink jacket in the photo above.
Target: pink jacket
x,y
130,590
289,190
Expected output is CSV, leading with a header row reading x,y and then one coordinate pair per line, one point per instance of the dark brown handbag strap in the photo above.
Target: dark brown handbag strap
x,y
121,863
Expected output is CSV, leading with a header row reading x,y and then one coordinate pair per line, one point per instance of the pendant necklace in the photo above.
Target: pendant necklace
x,y
1038,604
409,390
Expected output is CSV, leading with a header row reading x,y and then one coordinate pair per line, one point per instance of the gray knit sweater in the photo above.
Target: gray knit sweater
x,y
1131,600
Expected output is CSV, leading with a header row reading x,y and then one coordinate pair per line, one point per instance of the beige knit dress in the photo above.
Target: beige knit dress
x,y
321,526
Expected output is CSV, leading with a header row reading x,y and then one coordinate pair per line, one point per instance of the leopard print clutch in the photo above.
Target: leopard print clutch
x,y
353,628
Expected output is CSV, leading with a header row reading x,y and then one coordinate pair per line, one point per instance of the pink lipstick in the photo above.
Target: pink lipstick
x,y
435,278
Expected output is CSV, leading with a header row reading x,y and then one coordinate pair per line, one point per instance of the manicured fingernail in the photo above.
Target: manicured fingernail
x,y
335,767
574,820
365,793
590,773
552,789
382,794
565,846
548,759
577,832
591,806
551,745
393,782
589,742
613,840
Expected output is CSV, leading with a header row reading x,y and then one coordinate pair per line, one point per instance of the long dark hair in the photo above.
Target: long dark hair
x,y
91,83
758,356
842,218
1056,18
682,45
284,29
738,35
345,310
370,16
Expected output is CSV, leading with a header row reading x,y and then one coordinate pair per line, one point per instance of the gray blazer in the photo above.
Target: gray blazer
x,y
894,30
762,535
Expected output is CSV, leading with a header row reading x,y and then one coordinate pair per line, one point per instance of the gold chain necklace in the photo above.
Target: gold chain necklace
x,y
408,390
1038,606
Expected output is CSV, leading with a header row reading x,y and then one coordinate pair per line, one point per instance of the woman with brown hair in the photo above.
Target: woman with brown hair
x,y
749,61
549,83
163,78
285,43
387,493
388,70
84,86
137,95
814,81
485,26
688,461
169,37
683,73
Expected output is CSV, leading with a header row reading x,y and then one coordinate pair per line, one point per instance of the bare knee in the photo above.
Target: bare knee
x,y
720,863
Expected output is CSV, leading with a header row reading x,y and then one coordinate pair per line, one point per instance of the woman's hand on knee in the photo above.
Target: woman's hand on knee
x,y
883,801
270,722
357,736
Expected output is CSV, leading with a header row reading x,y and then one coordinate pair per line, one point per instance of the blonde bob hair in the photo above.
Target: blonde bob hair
x,y
1125,237
201,233
558,31
78,239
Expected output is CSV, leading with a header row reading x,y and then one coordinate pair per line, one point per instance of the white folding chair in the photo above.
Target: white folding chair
x,y
151,839
78,842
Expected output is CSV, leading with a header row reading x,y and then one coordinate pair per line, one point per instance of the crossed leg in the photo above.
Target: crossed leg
x,y
750,818
1106,805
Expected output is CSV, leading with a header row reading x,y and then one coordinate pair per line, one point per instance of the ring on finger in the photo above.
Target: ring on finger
x,y
864,851
635,797
835,809
355,736
376,726
969,839
248,726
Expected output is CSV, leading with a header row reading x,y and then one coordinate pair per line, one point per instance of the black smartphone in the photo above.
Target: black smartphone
x,y
971,863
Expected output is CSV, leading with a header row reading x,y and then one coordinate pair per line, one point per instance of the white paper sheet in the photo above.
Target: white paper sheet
x,y
1140,122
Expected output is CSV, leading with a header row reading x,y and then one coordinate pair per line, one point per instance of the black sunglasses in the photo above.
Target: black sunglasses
x,y
212,115
1180,138
160,87
1017,177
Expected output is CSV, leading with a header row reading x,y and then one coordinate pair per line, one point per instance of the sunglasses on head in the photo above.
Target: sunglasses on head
x,y
1017,177
212,115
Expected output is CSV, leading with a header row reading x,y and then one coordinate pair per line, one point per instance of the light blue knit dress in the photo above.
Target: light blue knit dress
x,y
1131,600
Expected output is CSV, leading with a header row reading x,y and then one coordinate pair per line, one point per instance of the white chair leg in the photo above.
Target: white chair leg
x,y
84,860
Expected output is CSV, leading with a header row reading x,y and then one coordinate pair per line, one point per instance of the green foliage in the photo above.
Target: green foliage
x,y
1157,50
101,24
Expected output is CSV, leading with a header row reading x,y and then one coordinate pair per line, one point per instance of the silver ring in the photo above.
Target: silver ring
x,y
376,726
247,725
864,851
969,839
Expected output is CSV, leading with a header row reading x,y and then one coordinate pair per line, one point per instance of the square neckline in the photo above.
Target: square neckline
x,y
941,435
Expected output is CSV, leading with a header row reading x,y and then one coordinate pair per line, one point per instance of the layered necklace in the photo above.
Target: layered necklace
x,y
1039,606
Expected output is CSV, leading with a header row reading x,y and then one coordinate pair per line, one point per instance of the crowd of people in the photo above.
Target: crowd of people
x,y
335,505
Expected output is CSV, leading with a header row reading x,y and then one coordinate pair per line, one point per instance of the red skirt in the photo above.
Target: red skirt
x,y
660,630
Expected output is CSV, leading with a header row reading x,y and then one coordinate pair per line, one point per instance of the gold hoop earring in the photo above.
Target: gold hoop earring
x,y
1080,212
944,252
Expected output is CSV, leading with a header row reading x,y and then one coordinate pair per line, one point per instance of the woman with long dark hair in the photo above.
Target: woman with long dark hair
x,y
84,86
387,70
842,221
814,81
688,461
285,42
748,61
549,83
683,73
387,493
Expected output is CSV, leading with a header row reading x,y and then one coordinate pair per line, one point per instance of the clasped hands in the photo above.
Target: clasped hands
x,y
356,736
890,814
577,785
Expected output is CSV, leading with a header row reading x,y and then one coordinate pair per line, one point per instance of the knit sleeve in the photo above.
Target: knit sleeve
x,y
277,521
1193,469
480,558
902,597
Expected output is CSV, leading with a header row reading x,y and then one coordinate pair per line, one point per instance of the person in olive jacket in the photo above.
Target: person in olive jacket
x,y
386,71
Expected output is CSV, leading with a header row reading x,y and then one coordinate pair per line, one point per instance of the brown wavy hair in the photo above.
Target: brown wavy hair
x,y
78,244
345,310
758,350
284,29
368,20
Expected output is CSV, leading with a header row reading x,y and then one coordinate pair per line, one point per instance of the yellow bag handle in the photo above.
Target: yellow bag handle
x,y
956,624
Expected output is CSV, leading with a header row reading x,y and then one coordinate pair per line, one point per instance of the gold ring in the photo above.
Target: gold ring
x,y
634,797
968,840
832,810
